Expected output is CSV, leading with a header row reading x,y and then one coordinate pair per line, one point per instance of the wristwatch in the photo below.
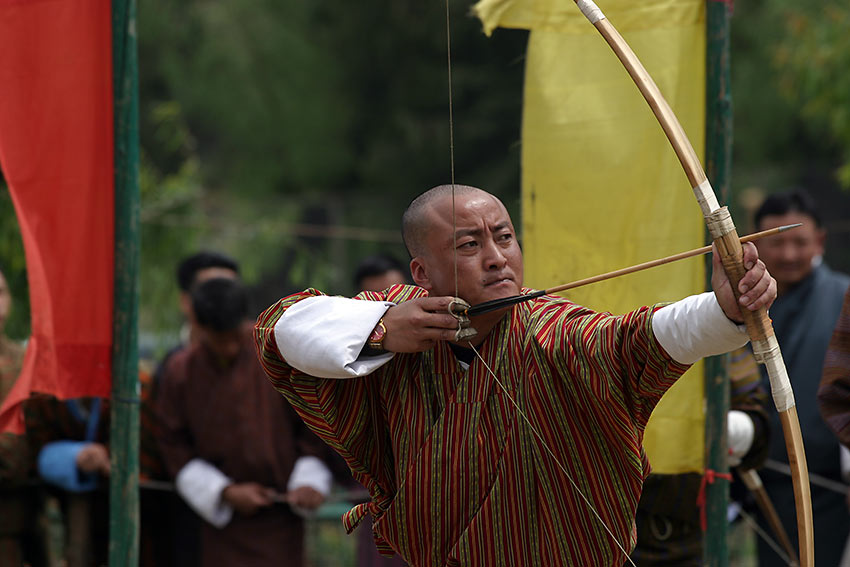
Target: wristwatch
x,y
376,339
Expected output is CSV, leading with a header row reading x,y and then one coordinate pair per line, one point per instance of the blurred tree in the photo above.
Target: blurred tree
x,y
791,99
260,117
13,264
813,59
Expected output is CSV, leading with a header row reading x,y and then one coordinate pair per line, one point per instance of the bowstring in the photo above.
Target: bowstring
x,y
522,414
451,139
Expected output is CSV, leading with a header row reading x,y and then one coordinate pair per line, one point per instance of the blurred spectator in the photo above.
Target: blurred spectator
x,y
197,269
19,501
163,512
378,272
804,316
238,451
192,271
70,440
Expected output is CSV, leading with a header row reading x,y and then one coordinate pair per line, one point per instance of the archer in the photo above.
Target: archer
x,y
521,446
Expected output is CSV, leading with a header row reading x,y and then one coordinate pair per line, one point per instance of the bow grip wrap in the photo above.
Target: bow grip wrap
x,y
765,346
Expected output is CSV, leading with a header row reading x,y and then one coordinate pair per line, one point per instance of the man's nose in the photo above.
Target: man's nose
x,y
788,252
494,258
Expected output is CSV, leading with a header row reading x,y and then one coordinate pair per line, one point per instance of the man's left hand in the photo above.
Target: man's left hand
x,y
757,287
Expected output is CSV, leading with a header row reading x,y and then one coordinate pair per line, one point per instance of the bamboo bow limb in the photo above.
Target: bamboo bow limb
x,y
762,336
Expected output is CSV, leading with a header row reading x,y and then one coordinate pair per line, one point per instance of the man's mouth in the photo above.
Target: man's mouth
x,y
498,281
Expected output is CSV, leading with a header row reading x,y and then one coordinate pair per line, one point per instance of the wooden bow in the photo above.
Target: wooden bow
x,y
722,230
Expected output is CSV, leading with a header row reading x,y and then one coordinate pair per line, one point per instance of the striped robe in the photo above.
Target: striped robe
x,y
457,476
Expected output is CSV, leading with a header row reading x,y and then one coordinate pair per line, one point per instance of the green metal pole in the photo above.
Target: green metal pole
x,y
718,162
124,432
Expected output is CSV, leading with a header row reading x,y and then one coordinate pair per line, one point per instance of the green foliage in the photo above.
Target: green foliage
x,y
264,121
259,94
790,87
13,265
814,59
170,218
791,97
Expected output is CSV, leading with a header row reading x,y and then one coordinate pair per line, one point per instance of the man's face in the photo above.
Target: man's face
x,y
200,277
788,256
489,260
224,345
5,302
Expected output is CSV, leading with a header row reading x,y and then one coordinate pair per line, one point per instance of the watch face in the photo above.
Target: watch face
x,y
377,333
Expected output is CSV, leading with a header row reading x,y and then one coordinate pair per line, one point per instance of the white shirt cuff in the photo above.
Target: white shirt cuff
x,y
201,484
323,336
310,471
696,327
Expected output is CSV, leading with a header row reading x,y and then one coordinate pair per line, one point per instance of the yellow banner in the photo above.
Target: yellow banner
x,y
601,186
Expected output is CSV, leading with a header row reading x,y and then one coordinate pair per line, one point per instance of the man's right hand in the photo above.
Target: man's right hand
x,y
417,325
248,497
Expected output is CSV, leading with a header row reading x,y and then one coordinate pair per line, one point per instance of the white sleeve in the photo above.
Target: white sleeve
x,y
323,336
696,327
310,471
741,432
201,484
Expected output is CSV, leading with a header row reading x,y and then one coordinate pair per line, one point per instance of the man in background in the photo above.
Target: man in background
x,y
191,271
240,456
162,513
378,272
804,314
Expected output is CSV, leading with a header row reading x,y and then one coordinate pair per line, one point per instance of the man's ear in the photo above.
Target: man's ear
x,y
420,274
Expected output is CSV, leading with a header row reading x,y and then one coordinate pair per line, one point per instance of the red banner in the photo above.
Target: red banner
x,y
56,152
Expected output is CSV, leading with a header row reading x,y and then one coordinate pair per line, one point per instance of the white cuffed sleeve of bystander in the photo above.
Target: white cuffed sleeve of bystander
x,y
696,327
200,484
310,471
323,336
741,432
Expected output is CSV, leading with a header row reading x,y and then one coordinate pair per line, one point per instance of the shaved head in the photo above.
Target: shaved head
x,y
414,221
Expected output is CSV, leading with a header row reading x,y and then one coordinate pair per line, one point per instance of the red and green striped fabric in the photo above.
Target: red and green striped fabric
x,y
456,475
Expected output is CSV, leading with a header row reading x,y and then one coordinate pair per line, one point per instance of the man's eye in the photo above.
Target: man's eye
x,y
467,244
506,237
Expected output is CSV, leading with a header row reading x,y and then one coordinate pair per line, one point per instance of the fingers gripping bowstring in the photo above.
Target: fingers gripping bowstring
x,y
551,453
